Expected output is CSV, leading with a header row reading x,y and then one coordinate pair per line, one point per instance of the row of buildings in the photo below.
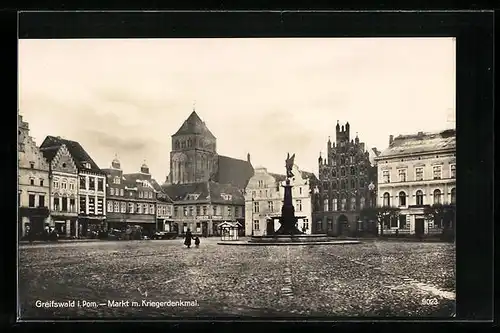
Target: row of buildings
x,y
61,186
414,172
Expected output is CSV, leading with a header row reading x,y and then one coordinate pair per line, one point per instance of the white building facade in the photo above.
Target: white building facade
x,y
264,199
414,172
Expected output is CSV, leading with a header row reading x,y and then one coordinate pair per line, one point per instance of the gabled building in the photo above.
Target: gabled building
x,y
131,198
63,190
264,199
202,207
414,172
164,208
344,185
33,183
91,185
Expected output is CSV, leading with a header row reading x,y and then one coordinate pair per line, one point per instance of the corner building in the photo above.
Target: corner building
x,y
344,178
414,172
33,183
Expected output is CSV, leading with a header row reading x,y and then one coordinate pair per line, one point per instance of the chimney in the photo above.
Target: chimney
x,y
391,139
248,158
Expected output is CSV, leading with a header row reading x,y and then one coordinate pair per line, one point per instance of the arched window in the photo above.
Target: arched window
x,y
334,204
343,204
189,142
402,199
387,199
453,196
420,198
362,203
183,144
177,145
437,196
353,203
325,205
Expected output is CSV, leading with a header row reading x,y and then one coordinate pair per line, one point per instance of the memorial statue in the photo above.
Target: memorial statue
x,y
289,165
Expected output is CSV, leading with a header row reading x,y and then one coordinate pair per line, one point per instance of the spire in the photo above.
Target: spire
x,y
194,105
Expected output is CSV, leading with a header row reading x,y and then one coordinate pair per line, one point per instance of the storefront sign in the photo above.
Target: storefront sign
x,y
202,217
216,217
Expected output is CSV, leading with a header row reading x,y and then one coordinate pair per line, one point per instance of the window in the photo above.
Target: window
x,y
185,211
319,225
112,191
214,210
402,221
419,173
453,196
353,203
270,206
122,192
253,194
387,199
64,184
299,205
83,183
229,211
150,195
329,224
116,207
325,205
56,183
191,210
100,184
32,165
176,211
420,198
261,183
402,199
116,180
256,225
255,207
385,176
185,227
436,172
198,227
91,183
305,224
72,207
41,201
353,183
334,204
198,210
204,210
453,171
353,171
151,209
32,181
361,203
72,185
402,175
437,197
237,211
64,204
146,208
139,208
141,194
91,205
300,189
31,202
131,207
56,204
83,204
123,207
342,172
41,182
343,204
260,193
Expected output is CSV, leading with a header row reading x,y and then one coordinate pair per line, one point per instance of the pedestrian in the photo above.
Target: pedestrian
x,y
197,241
304,229
187,240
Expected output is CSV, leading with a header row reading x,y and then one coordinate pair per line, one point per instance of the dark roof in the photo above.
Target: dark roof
x,y
194,125
421,143
75,149
50,152
138,176
159,189
208,192
233,171
278,177
306,174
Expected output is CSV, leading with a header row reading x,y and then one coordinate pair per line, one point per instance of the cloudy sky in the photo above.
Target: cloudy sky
x,y
262,96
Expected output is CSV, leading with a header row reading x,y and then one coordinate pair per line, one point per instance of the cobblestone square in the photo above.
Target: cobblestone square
x,y
369,279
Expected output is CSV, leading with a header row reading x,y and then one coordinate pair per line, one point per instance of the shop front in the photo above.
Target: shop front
x,y
32,220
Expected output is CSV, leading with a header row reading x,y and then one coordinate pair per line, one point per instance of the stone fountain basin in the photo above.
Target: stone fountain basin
x,y
291,239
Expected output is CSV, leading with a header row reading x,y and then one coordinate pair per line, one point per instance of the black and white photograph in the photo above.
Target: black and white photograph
x,y
236,177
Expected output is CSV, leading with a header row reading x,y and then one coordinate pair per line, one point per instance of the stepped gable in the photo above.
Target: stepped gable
x,y
233,171
194,125
179,192
76,150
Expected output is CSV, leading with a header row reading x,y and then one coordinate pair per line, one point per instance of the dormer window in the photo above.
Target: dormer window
x,y
116,180
86,164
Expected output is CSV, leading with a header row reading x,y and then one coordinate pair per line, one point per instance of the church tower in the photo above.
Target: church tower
x,y
194,152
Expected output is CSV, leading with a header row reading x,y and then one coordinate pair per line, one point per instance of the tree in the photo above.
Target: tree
x,y
443,213
381,215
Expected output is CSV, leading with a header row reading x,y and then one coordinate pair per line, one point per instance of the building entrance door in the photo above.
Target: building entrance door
x,y
270,227
343,225
419,226
204,229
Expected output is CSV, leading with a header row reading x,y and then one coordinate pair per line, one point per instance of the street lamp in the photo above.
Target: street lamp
x,y
251,222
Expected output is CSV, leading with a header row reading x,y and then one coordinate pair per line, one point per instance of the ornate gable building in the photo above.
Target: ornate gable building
x,y
33,183
206,188
344,178
63,190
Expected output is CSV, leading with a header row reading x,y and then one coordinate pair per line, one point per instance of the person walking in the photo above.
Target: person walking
x,y
187,240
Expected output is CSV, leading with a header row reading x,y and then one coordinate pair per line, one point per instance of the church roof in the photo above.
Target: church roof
x,y
420,143
194,125
75,149
233,171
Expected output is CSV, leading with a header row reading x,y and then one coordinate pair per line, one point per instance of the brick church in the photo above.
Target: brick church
x,y
207,188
